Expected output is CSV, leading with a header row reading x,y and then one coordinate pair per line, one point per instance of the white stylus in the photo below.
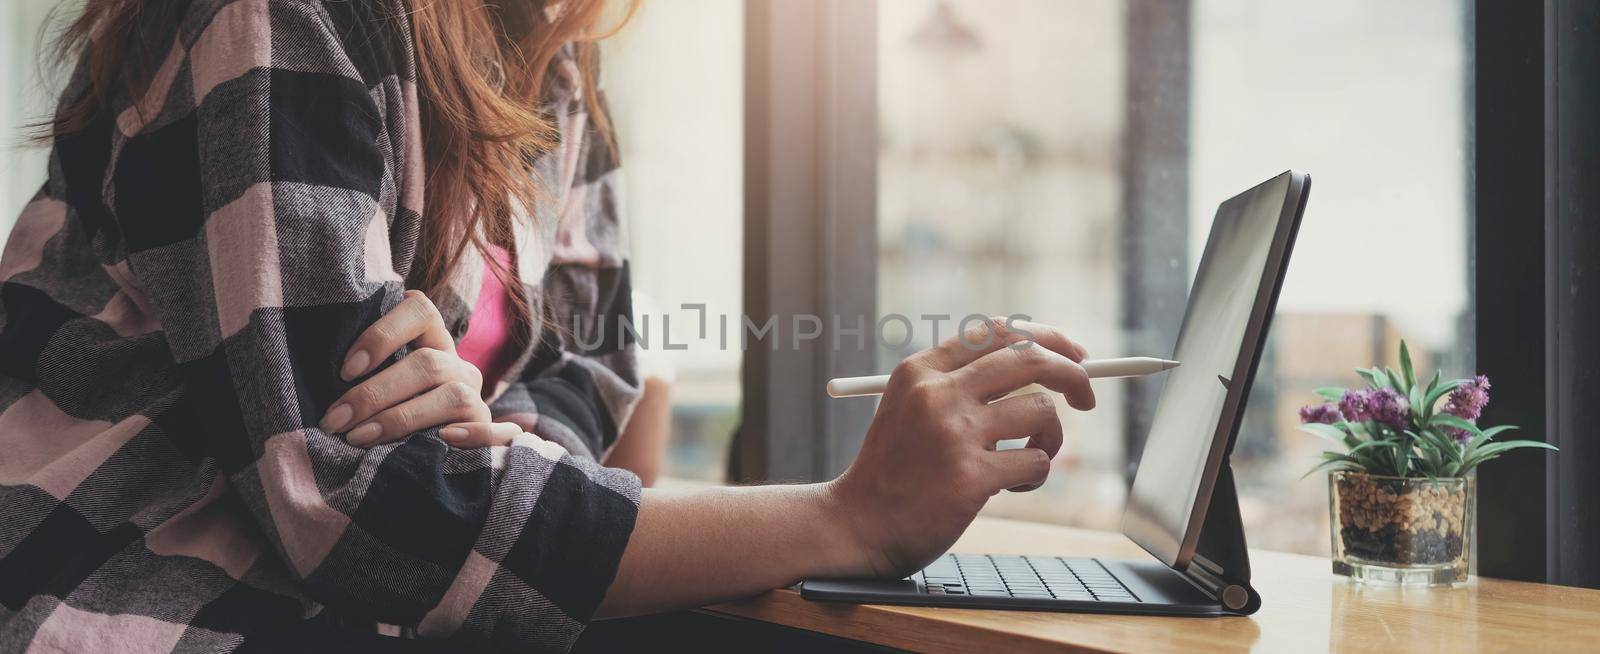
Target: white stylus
x,y
1097,369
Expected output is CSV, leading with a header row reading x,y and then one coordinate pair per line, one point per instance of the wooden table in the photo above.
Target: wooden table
x,y
1305,609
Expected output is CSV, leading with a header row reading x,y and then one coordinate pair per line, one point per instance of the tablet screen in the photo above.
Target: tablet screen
x,y
1191,406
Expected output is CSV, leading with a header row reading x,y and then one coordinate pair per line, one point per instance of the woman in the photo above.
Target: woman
x,y
287,347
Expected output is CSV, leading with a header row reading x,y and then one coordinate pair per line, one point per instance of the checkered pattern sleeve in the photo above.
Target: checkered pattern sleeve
x,y
582,380
259,225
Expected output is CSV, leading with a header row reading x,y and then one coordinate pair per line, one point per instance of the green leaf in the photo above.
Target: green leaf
x,y
1405,365
1338,464
1351,460
1448,420
1327,432
1496,431
1374,377
1398,382
1424,409
1429,458
1440,391
1469,452
1368,445
1432,461
1446,448
1506,446
1494,450
1362,455
1415,399
1402,460
1331,393
1350,438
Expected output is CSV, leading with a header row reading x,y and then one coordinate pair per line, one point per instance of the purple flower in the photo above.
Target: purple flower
x,y
1467,400
1326,414
1389,407
1354,405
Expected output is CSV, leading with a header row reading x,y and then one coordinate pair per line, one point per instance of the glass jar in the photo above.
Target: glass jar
x,y
1401,530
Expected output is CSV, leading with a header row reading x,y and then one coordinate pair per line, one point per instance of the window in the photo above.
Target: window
x,y
674,81
1064,159
998,194
28,96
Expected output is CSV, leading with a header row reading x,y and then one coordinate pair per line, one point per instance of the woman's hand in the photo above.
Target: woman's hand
x,y
429,387
929,462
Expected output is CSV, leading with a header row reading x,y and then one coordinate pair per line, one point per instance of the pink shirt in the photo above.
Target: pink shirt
x,y
488,341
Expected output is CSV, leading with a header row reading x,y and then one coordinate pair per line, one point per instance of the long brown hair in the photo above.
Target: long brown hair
x,y
481,72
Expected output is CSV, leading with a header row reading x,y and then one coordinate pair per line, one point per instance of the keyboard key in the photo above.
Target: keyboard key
x,y
1078,579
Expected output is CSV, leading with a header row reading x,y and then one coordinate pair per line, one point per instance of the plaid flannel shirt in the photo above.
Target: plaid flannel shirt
x,y
174,306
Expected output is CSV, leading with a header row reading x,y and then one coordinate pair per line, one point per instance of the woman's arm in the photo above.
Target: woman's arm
x,y
696,547
927,466
642,445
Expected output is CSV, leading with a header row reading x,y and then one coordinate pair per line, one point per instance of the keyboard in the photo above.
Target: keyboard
x,y
1040,577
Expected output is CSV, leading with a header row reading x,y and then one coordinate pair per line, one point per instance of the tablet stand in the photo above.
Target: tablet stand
x,y
1221,563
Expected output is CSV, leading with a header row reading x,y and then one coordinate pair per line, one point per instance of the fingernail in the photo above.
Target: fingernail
x,y
453,434
336,418
364,434
356,364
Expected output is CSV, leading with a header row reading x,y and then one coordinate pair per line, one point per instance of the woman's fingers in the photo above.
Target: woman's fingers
x,y
980,338
419,371
450,403
1008,369
1033,416
480,434
1020,470
415,320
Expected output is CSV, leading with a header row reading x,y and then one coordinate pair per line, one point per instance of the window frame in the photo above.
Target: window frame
x,y
1537,301
810,197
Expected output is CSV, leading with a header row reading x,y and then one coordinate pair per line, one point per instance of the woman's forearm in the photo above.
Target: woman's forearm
x,y
694,547
643,443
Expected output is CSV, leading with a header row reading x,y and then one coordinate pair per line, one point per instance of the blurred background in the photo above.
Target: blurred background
x,y
1060,159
